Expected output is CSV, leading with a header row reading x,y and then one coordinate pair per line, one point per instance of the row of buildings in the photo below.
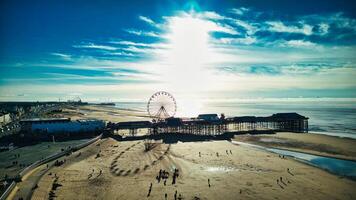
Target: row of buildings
x,y
61,125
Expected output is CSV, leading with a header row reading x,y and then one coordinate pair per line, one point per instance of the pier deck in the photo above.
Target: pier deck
x,y
291,122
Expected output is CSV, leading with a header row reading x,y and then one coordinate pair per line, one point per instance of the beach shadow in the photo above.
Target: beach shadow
x,y
120,172
114,164
136,170
280,186
127,172
290,173
283,183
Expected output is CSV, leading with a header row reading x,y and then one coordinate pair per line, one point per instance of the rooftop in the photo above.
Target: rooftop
x,y
45,120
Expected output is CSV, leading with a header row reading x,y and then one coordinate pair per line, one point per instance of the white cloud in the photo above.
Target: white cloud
x,y
149,21
299,43
146,19
324,28
94,46
342,22
247,40
139,44
142,33
131,43
211,15
278,26
62,55
138,50
239,11
250,29
119,54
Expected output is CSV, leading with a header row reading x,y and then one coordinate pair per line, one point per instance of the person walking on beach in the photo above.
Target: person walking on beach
x,y
209,182
149,191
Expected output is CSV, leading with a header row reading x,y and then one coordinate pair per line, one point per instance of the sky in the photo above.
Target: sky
x,y
210,50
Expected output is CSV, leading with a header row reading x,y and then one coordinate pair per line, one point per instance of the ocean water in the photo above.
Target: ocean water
x,y
326,116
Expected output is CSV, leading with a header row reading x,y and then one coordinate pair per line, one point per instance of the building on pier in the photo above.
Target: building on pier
x,y
208,117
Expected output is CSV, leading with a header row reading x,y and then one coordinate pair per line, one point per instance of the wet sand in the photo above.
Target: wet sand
x,y
324,145
123,170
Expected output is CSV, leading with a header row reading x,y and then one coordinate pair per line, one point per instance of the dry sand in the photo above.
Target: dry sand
x,y
317,144
125,171
107,113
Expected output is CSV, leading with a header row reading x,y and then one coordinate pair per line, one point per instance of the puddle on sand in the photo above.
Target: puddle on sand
x,y
219,169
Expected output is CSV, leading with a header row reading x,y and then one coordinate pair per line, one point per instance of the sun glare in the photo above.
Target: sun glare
x,y
186,60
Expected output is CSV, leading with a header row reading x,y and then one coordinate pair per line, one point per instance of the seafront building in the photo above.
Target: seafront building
x,y
5,118
61,125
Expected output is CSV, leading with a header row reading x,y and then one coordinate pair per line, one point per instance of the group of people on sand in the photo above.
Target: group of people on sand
x,y
92,172
176,195
59,163
283,182
164,175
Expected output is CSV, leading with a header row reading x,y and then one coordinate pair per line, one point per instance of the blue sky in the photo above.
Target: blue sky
x,y
126,50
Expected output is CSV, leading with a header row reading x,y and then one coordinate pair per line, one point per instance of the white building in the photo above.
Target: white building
x,y
5,119
62,125
209,117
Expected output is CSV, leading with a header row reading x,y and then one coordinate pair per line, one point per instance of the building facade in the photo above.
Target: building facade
x,y
5,118
62,125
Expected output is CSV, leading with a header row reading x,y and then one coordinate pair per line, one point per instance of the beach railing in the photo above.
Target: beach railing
x,y
8,190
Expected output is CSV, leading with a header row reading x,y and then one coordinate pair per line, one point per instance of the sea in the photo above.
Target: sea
x,y
330,116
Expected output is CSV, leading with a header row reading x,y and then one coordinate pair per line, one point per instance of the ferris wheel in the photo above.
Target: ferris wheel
x,y
161,105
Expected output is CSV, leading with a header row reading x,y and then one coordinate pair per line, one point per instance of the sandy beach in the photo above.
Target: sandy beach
x,y
324,145
123,170
107,113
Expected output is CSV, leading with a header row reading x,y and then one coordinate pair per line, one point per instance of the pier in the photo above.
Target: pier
x,y
210,125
